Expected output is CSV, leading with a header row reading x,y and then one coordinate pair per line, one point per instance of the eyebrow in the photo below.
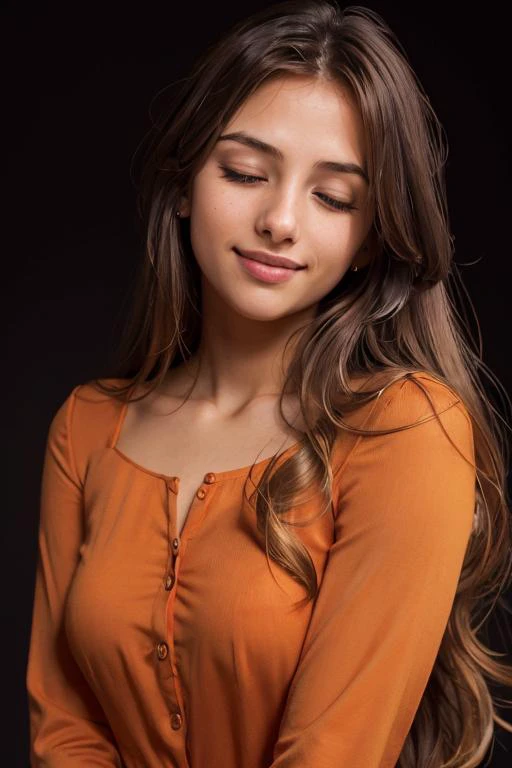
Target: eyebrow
x,y
262,146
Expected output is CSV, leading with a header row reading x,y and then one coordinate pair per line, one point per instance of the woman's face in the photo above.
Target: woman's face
x,y
283,202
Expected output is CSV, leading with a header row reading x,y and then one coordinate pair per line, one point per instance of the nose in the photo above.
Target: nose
x,y
279,217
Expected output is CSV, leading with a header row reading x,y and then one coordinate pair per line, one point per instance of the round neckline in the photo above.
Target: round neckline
x,y
225,474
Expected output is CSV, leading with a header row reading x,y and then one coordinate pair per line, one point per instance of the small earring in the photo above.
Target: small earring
x,y
178,214
354,269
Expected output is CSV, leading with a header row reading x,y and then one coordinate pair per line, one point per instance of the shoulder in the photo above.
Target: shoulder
x,y
90,396
88,401
87,418
421,418
411,413
98,404
431,418
416,397
100,392
397,396
417,455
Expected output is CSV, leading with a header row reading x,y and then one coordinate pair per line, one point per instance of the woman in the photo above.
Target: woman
x,y
263,539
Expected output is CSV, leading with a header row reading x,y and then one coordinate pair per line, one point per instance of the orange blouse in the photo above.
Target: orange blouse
x,y
152,650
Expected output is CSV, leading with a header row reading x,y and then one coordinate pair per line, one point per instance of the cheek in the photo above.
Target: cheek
x,y
213,216
333,249
215,198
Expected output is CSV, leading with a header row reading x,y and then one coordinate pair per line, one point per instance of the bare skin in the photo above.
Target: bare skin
x,y
231,418
192,440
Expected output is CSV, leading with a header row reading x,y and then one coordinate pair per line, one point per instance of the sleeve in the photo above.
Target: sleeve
x,y
404,514
67,724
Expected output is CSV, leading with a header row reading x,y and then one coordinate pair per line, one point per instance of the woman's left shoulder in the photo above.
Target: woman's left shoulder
x,y
418,396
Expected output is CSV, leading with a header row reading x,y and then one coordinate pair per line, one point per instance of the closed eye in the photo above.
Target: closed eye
x,y
243,178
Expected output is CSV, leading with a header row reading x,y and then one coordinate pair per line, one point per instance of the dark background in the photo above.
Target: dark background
x,y
79,80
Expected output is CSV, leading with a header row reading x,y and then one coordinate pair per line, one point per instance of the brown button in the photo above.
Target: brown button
x,y
175,545
209,477
176,721
162,649
169,581
201,493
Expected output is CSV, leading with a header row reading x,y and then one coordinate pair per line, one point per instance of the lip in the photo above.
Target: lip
x,y
270,259
265,272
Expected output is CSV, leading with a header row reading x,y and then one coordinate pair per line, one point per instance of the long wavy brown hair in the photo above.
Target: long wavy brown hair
x,y
396,316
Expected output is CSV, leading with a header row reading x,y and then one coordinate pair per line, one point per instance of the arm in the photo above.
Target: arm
x,y
403,522
67,724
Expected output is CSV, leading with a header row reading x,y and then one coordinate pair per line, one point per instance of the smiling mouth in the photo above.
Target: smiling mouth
x,y
269,260
266,273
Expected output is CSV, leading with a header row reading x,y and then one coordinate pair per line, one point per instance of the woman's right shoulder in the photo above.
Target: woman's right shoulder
x,y
101,391
97,403
88,416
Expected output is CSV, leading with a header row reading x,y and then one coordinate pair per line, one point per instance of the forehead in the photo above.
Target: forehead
x,y
305,117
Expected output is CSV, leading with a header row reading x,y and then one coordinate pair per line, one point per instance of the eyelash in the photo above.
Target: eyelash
x,y
242,178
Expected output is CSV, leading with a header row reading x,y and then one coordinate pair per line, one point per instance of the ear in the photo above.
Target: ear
x,y
367,251
184,207
361,258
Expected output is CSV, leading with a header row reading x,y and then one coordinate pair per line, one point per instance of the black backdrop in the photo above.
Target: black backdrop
x,y
78,83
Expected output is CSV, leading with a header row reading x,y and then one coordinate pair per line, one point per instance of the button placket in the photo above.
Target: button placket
x,y
166,668
202,492
196,516
170,577
169,581
163,647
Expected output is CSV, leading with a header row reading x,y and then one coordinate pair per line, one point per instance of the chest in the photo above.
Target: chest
x,y
192,443
188,492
